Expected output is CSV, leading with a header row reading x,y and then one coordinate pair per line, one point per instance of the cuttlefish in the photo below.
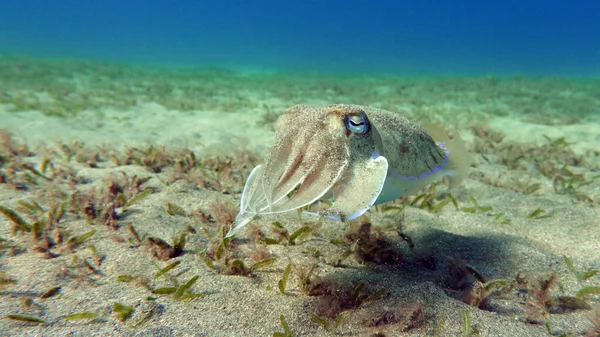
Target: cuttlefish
x,y
354,156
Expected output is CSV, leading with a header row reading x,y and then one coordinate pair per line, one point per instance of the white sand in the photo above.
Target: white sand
x,y
150,123
241,306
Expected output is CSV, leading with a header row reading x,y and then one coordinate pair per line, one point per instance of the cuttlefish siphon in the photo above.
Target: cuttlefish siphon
x,y
354,156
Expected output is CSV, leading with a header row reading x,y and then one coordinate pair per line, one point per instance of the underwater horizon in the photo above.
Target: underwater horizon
x,y
426,38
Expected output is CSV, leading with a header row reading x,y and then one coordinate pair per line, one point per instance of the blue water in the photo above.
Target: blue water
x,y
441,37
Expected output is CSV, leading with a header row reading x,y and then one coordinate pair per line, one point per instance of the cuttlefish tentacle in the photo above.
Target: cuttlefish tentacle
x,y
314,187
310,172
288,162
248,201
358,190
297,172
266,181
302,167
358,156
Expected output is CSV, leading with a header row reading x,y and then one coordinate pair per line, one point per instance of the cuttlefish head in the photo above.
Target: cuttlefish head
x,y
319,153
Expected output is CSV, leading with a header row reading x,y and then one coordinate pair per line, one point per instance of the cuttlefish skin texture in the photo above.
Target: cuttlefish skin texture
x,y
355,156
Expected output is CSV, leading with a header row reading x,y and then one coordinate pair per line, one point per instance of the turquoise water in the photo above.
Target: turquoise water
x,y
393,37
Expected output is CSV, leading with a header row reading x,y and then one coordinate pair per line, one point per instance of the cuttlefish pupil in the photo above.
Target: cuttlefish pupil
x,y
357,124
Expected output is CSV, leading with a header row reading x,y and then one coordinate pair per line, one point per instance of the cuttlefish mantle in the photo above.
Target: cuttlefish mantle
x,y
354,156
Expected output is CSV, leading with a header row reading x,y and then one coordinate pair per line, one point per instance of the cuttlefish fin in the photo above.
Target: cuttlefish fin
x,y
311,185
458,156
357,191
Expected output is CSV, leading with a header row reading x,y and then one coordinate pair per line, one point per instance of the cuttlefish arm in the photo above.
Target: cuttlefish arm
x,y
309,156
358,190
307,187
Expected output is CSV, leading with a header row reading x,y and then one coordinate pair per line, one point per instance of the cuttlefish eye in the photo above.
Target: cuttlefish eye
x,y
357,124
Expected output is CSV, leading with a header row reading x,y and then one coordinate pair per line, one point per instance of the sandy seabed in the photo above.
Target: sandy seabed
x,y
107,193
